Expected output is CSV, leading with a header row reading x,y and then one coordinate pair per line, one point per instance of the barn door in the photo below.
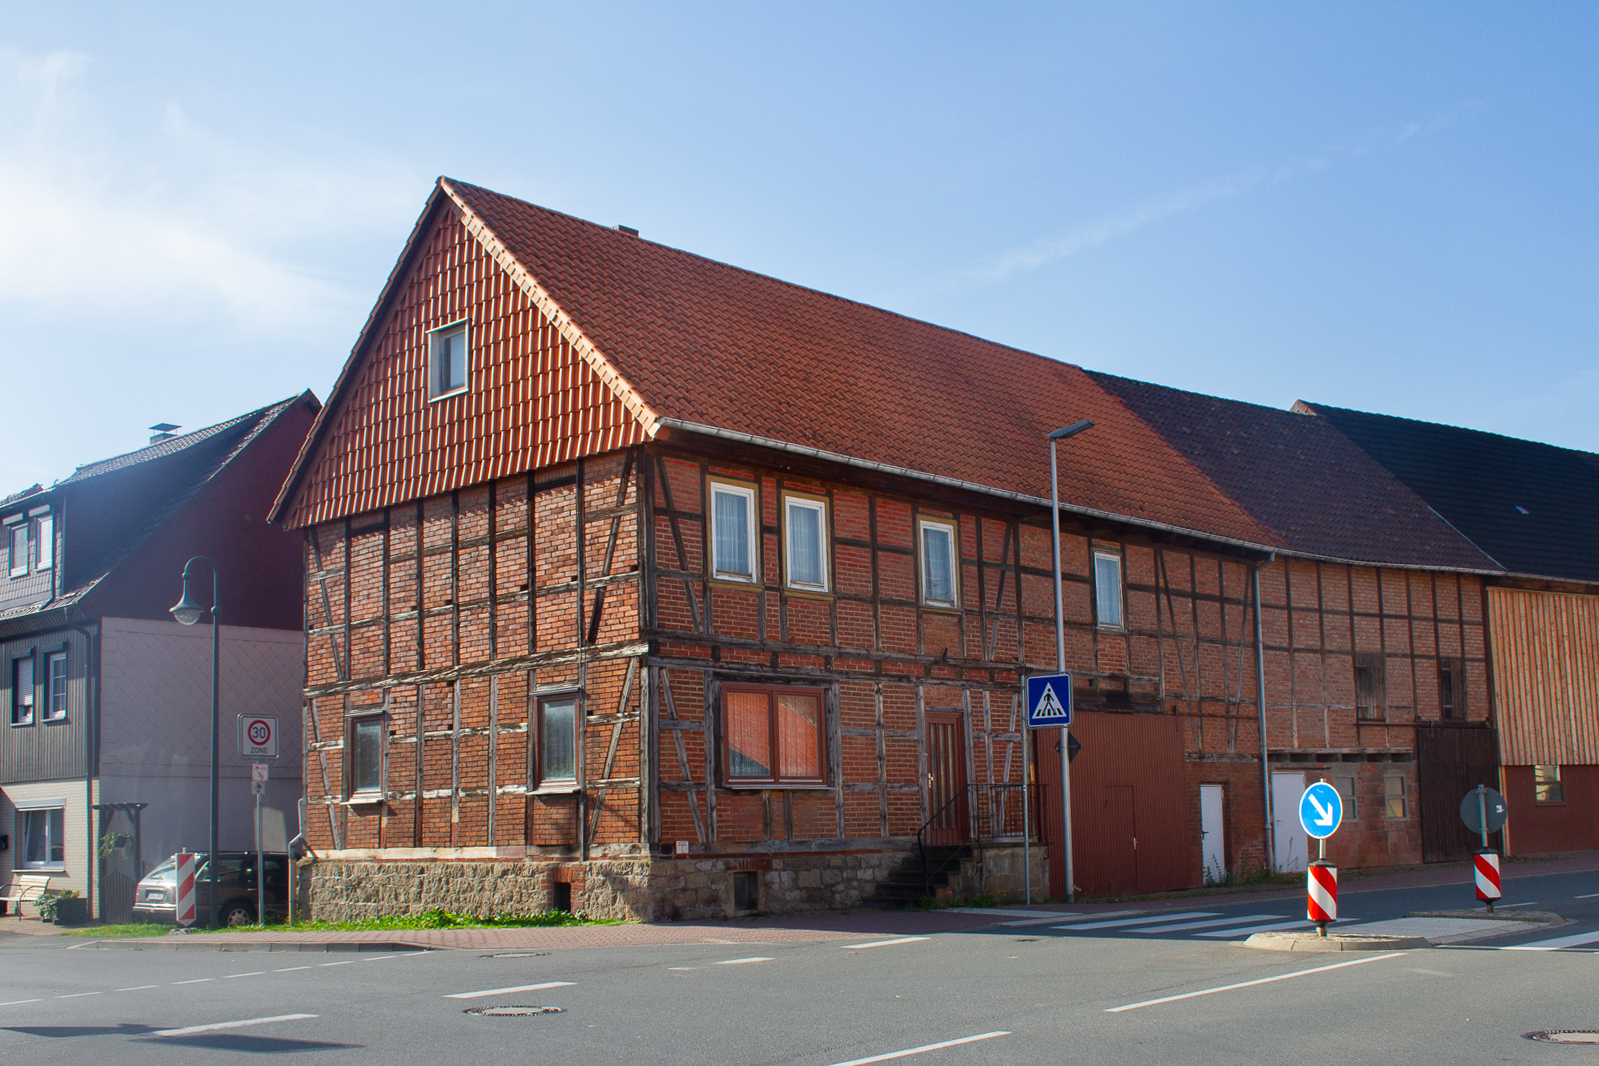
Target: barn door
x,y
1450,762
946,778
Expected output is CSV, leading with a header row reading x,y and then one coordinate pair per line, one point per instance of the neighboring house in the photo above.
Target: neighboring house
x,y
1534,509
652,586
107,698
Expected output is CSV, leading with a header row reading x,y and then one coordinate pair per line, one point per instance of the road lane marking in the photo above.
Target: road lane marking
x,y
1504,906
19,1002
885,943
1247,984
1558,942
341,962
80,995
682,967
1211,923
1066,916
291,969
1271,927
252,973
194,981
924,1047
512,988
214,1026
135,988
1123,923
752,958
1591,895
396,955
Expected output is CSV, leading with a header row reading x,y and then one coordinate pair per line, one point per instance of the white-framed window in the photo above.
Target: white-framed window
x,y
19,550
555,744
805,540
55,694
22,691
45,537
366,756
447,360
43,835
733,543
1108,589
940,580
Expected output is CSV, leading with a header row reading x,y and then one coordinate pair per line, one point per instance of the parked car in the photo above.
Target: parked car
x,y
156,898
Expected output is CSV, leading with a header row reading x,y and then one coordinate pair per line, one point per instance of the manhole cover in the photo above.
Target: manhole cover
x,y
1565,1036
514,955
511,1010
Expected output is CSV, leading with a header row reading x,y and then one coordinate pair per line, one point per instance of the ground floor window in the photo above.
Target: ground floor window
x,y
43,834
1393,788
1546,786
366,756
555,743
772,734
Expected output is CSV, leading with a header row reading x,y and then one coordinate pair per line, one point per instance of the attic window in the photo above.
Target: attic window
x,y
447,360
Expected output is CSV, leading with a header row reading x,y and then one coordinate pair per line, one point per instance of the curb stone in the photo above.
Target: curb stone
x,y
1333,942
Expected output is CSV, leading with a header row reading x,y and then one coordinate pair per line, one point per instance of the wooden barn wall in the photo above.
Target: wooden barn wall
x,y
532,402
1546,676
448,616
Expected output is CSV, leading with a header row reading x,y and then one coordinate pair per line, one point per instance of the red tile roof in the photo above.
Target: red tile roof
x,y
711,345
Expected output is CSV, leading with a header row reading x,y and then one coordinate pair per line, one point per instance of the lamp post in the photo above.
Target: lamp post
x,y
187,612
1060,651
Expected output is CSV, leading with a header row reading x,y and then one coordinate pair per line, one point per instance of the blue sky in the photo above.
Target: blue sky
x,y
1380,206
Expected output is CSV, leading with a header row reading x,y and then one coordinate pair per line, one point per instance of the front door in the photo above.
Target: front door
x,y
946,778
1288,836
1212,830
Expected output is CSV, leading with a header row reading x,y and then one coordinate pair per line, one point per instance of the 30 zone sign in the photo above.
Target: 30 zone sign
x,y
258,736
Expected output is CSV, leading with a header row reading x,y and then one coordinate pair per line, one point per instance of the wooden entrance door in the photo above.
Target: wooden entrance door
x,y
947,801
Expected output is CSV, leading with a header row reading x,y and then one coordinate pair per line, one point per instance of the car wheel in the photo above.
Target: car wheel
x,y
236,912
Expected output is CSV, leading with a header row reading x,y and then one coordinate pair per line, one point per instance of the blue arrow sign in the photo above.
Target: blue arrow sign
x,y
1049,700
1320,810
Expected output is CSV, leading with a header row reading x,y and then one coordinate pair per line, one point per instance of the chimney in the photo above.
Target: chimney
x,y
163,431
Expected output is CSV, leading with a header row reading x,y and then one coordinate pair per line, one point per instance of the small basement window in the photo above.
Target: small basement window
x,y
1546,786
447,362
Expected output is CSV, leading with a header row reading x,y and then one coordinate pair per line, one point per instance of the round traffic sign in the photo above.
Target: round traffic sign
x,y
1492,804
1321,809
260,732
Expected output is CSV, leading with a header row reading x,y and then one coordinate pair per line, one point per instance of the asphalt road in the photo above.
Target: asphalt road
x,y
1029,994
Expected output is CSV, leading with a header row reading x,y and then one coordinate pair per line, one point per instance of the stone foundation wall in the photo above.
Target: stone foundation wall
x,y
998,871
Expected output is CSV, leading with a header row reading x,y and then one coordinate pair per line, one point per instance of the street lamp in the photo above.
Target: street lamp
x,y
187,612
1060,651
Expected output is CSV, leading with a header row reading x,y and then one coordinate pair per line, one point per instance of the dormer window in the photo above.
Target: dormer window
x,y
447,360
44,540
19,550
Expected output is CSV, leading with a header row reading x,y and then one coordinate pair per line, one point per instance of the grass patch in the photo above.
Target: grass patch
x,y
124,929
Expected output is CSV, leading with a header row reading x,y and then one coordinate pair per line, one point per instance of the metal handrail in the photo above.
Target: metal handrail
x,y
995,811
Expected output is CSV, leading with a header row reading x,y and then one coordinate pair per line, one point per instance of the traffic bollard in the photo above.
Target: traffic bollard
x,y
1487,867
1321,879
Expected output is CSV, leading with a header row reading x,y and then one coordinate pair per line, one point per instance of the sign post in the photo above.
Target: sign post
x,y
258,782
1321,810
1483,811
185,883
1049,706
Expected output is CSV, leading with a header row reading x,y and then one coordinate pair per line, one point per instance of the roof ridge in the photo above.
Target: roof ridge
x,y
1317,408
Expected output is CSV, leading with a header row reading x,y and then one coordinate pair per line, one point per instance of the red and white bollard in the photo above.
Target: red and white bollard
x,y
185,879
1321,879
1487,864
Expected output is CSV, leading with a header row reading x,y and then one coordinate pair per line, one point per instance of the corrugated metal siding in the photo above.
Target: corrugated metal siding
x,y
1545,648
44,751
531,402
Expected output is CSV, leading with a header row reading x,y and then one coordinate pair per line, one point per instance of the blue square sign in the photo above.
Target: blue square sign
x,y
1049,700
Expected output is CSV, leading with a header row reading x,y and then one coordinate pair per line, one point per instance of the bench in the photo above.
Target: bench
x,y
25,888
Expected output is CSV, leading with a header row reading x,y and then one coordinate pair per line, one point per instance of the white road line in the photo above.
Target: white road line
x,y
341,962
252,973
1123,923
1211,923
885,943
1268,928
194,981
752,958
291,969
1506,906
396,955
80,995
1247,984
135,988
682,967
214,1026
512,988
1069,917
19,1002
924,1047
1591,895
1558,942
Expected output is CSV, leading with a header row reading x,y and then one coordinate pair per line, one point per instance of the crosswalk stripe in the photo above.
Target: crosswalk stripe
x,y
1271,927
1123,923
1575,940
1212,923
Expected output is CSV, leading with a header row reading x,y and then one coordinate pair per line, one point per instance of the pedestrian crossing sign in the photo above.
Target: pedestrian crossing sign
x,y
1049,700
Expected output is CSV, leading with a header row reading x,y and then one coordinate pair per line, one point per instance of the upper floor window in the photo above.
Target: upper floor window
x,y
44,542
19,549
366,756
447,360
55,697
1108,589
555,756
806,528
22,691
772,734
1370,699
732,531
939,581
1451,688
